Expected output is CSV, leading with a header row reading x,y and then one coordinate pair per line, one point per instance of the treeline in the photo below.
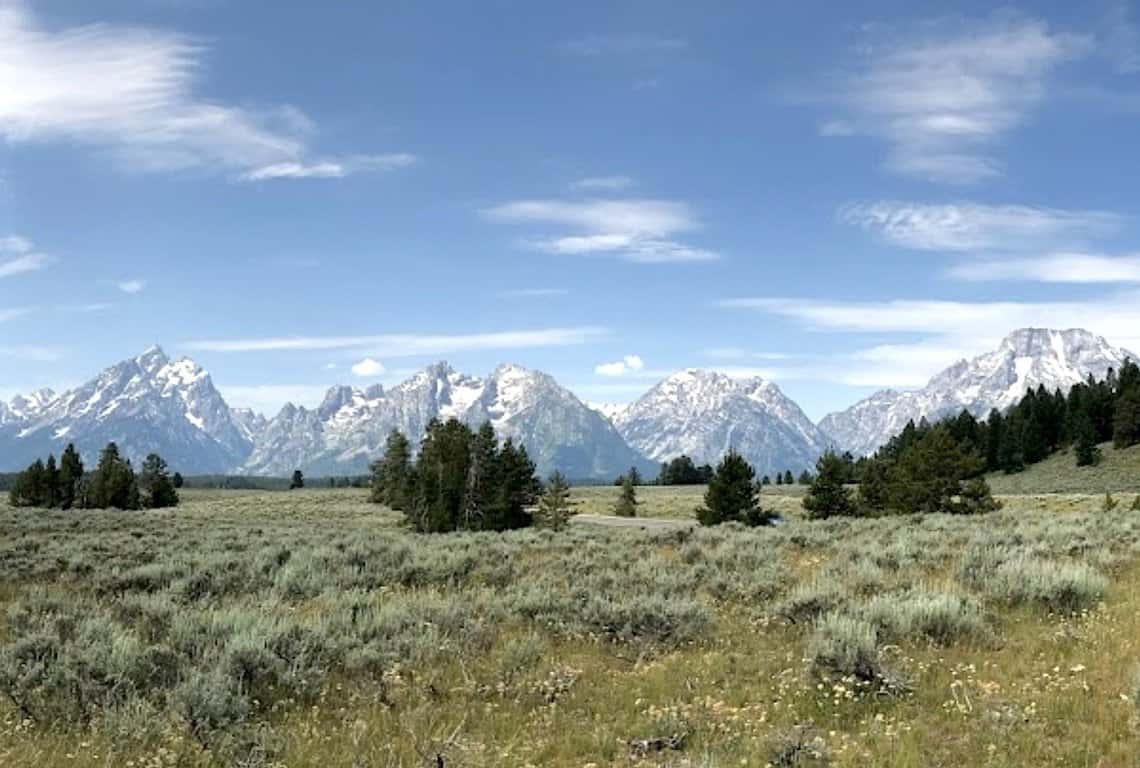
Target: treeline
x,y
464,479
113,483
684,471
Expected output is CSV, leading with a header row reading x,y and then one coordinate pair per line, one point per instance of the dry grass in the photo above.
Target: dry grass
x,y
598,646
1118,471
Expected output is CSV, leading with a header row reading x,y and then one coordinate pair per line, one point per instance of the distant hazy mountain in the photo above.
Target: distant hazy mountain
x,y
349,428
703,413
1025,359
145,404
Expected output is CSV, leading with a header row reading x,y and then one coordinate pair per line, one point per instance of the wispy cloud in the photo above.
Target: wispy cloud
x,y
131,286
368,367
631,44
602,184
18,256
943,95
410,345
637,230
8,313
1052,268
957,325
132,92
965,227
628,364
330,169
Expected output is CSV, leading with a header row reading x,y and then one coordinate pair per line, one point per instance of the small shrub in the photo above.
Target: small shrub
x,y
806,602
209,701
845,646
1064,588
519,656
942,618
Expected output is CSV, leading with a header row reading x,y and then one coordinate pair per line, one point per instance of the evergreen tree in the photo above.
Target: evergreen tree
x,y
517,488
70,477
297,481
441,477
113,484
481,476
178,480
928,477
391,475
733,494
873,488
767,480
634,476
554,508
626,505
779,479
788,480
1126,411
828,495
682,471
156,487
804,478
51,483
1086,449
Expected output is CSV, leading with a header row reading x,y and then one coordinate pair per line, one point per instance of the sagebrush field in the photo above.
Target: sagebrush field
x,y
308,628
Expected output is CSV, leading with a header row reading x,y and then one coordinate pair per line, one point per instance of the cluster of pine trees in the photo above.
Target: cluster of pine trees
x,y
460,480
113,483
683,471
1042,423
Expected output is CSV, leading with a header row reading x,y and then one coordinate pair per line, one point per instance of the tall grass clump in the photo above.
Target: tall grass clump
x,y
942,618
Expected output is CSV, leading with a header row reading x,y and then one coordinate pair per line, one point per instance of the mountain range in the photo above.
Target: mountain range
x,y
151,403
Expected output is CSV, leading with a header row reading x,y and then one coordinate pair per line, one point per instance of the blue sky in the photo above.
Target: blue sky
x,y
839,197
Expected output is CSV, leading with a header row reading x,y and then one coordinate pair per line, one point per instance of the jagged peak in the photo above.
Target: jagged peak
x,y
152,356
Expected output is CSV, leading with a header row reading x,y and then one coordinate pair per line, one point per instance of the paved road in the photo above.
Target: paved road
x,y
649,523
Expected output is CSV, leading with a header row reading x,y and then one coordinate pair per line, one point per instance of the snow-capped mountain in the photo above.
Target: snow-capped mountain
x,y
610,410
704,413
1025,359
350,426
146,404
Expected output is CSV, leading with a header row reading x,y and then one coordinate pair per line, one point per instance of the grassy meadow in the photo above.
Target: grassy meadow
x,y
308,628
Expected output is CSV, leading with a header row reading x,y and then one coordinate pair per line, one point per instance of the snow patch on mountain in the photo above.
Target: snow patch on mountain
x,y
1025,359
703,414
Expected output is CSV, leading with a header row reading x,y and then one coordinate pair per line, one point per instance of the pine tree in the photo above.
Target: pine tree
x,y
178,480
1126,412
554,508
873,488
481,476
1086,449
70,477
113,484
516,489
634,476
51,483
767,480
733,494
779,479
441,477
627,501
804,478
156,487
828,496
391,475
297,481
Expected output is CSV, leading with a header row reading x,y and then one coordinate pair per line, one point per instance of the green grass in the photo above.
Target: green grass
x,y
676,501
1118,471
310,629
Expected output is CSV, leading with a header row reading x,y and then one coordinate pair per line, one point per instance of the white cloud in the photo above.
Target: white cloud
x,y
368,367
973,227
131,286
951,329
329,169
18,256
628,364
1053,268
8,313
132,91
603,184
633,44
637,230
943,95
409,345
